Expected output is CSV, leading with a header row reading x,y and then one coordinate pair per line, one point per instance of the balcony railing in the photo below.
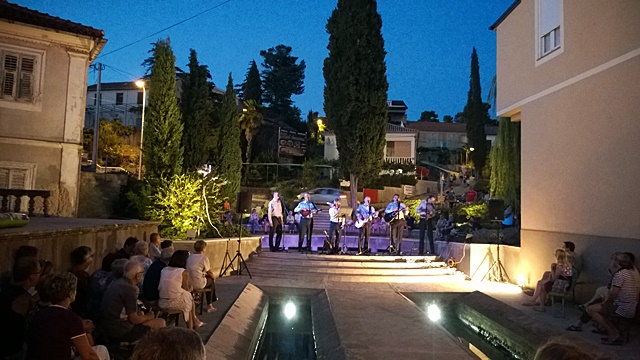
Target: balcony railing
x,y
17,196
404,160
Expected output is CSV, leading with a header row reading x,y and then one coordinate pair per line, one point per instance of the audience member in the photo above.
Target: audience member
x,y
55,330
98,283
140,255
254,220
175,289
470,195
15,303
563,349
154,246
291,223
22,251
474,224
151,282
127,249
558,278
508,220
574,259
166,244
121,299
173,343
46,267
200,274
440,226
621,301
81,260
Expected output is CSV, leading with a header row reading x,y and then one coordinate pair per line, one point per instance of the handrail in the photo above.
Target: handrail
x,y
18,194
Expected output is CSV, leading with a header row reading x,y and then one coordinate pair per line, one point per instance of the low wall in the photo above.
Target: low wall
x,y
475,260
217,249
55,238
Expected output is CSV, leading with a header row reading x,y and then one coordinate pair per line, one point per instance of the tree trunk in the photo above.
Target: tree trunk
x,y
247,170
353,186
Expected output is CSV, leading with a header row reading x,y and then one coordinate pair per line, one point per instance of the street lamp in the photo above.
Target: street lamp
x,y
141,84
468,151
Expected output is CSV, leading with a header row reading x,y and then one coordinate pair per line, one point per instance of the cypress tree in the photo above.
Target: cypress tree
x,y
355,94
197,110
162,148
251,89
505,163
229,162
476,115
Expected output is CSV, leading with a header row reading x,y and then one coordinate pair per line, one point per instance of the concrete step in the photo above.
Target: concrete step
x,y
353,271
372,278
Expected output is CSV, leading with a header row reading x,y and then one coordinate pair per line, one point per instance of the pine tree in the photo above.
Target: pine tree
x,y
355,94
162,148
229,163
250,122
476,116
251,89
197,110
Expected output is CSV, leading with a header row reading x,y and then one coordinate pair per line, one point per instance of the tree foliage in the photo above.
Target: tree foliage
x,y
447,118
282,78
476,116
197,112
162,147
355,94
505,164
113,150
251,88
250,122
430,115
229,162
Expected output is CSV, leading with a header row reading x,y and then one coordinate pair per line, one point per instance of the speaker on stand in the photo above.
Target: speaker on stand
x,y
243,206
496,214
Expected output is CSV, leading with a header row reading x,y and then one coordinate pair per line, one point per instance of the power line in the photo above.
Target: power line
x,y
165,29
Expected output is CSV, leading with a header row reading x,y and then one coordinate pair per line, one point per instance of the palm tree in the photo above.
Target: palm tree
x,y
250,121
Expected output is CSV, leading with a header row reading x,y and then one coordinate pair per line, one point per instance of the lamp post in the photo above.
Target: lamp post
x,y
468,150
141,84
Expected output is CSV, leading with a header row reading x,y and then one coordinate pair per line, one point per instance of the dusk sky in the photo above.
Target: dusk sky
x,y
428,42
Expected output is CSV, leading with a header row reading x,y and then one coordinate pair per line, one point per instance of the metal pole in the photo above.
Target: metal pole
x,y
96,121
144,101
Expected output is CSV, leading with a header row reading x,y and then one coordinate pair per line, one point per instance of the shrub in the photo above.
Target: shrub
x,y
479,211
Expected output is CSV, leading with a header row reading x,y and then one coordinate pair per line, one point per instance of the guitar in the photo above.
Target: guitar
x,y
392,216
362,222
306,212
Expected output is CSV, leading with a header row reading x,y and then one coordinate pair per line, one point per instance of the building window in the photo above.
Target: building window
x,y
95,95
391,148
140,94
16,175
549,27
19,74
119,98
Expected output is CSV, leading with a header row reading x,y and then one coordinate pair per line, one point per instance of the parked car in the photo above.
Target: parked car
x,y
322,196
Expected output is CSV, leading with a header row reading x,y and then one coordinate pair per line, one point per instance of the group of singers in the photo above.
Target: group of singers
x,y
395,214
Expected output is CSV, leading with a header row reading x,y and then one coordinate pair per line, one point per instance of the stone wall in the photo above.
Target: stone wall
x,y
216,251
99,193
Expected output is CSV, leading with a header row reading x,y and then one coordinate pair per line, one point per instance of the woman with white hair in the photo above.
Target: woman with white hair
x,y
141,255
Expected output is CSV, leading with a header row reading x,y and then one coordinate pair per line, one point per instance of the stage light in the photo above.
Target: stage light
x,y
433,312
289,310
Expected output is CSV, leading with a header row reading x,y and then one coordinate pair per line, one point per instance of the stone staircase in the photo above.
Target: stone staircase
x,y
351,268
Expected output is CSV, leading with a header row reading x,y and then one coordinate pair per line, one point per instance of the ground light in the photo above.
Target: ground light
x,y
290,310
433,312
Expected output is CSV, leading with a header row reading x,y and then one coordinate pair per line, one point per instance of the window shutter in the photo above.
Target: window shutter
x,y
10,67
18,179
4,178
27,64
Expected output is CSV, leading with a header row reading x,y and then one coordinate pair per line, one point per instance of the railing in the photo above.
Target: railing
x,y
405,160
17,195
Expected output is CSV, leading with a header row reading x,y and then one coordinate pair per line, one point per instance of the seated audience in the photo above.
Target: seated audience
x,y
559,278
451,224
508,221
15,303
100,281
175,289
55,330
573,258
564,349
154,246
254,220
81,260
200,274
474,224
140,254
121,319
124,252
151,282
440,226
166,244
291,223
22,251
173,343
621,301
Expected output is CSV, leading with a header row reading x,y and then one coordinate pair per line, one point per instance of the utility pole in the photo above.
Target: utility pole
x,y
96,121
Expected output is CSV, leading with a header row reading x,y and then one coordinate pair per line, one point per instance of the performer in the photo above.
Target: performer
x,y
306,209
335,228
427,211
364,215
395,214
276,213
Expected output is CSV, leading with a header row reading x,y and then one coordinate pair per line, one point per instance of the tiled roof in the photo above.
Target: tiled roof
x,y
392,128
16,13
437,126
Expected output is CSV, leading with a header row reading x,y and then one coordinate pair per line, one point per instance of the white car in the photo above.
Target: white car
x,y
322,196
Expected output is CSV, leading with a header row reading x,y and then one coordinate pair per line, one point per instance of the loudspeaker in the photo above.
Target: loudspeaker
x,y
243,205
496,210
